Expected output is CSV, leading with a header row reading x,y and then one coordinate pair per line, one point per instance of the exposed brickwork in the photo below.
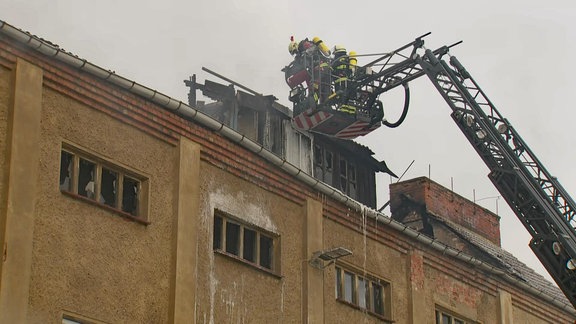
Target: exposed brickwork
x,y
417,276
444,203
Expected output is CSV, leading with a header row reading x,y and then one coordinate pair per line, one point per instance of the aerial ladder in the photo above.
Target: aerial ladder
x,y
539,201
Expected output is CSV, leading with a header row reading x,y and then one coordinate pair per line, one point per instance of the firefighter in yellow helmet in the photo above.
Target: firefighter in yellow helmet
x,y
321,70
293,46
322,47
353,61
341,72
340,68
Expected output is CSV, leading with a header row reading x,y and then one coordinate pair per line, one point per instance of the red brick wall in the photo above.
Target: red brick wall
x,y
444,203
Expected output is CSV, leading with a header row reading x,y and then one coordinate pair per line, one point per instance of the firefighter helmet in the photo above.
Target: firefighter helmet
x,y
293,47
339,49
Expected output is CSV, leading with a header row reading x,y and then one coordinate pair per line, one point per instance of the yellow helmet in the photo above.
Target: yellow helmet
x,y
316,40
293,47
339,49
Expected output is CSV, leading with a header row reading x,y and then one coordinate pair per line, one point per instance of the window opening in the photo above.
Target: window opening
x,y
348,286
249,252
66,165
130,196
101,182
266,251
108,190
447,318
351,173
366,293
338,283
86,185
343,175
247,243
329,161
217,235
233,238
362,292
323,164
378,298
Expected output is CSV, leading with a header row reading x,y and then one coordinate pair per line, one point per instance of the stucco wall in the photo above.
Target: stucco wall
x,y
234,292
370,256
88,259
5,97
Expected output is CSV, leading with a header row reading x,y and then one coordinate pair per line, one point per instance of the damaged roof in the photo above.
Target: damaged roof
x,y
506,259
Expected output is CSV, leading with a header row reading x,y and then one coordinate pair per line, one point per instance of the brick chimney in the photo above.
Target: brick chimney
x,y
444,203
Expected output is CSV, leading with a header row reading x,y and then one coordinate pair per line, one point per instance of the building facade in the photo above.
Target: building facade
x,y
122,205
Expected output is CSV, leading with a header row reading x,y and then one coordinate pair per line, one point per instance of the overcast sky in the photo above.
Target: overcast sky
x,y
520,52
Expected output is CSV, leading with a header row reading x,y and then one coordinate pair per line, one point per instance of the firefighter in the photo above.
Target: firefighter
x,y
322,72
340,68
322,47
342,72
353,62
293,46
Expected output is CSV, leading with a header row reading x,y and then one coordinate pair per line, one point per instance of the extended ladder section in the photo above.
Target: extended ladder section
x,y
537,198
540,202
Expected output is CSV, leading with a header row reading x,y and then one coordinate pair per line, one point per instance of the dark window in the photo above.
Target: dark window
x,y
377,296
217,238
249,245
130,196
329,161
86,185
339,283
246,243
232,238
266,251
108,190
66,167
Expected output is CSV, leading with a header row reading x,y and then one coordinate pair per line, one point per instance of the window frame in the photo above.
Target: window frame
x,y
348,177
222,246
370,281
323,162
124,175
454,318
71,317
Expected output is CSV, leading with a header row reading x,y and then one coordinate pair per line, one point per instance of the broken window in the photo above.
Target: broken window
x,y
130,195
93,178
86,185
108,189
366,293
323,164
245,242
348,178
66,160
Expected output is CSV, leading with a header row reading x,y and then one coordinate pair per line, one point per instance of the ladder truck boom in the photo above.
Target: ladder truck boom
x,y
543,206
539,201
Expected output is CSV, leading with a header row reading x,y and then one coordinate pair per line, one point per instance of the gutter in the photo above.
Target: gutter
x,y
195,115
